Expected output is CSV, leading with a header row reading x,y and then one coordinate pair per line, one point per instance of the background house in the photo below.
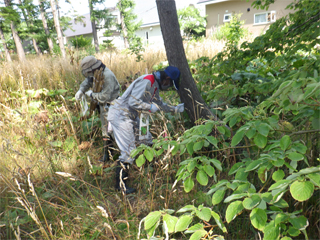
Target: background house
x,y
257,21
84,28
147,13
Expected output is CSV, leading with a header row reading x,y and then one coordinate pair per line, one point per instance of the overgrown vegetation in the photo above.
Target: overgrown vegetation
x,y
255,174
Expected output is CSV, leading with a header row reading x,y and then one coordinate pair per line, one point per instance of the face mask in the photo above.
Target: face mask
x,y
165,85
87,74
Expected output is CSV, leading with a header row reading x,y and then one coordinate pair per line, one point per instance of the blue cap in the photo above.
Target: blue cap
x,y
174,74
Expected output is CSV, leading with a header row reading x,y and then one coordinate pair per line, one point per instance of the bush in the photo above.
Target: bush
x,y
80,42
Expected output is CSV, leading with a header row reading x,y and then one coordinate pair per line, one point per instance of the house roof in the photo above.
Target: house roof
x,y
79,27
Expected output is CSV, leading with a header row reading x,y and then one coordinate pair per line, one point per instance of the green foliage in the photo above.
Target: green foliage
x,y
80,42
232,31
135,43
269,98
191,22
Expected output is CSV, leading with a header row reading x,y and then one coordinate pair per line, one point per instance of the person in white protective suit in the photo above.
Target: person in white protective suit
x,y
141,95
110,91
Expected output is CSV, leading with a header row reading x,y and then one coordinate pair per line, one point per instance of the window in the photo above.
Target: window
x,y
263,18
227,17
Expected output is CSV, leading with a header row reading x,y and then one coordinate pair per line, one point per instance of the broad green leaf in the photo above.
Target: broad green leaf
x,y
204,214
301,191
190,148
263,129
279,184
183,223
213,141
293,231
151,230
241,175
281,218
197,146
148,153
216,163
198,234
314,178
281,203
151,219
285,142
218,221
187,208
233,121
237,138
170,221
286,238
260,140
140,160
258,218
278,175
218,196
263,174
194,228
300,222
202,178
251,132
235,168
221,130
233,210
300,148
267,196
253,165
294,156
271,231
192,165
251,202
209,170
188,184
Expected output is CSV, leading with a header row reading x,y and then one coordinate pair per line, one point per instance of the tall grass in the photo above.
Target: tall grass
x,y
51,184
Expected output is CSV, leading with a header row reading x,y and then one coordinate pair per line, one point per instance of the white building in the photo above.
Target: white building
x,y
147,13
84,28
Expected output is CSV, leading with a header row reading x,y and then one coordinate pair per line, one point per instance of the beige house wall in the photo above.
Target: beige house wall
x,y
215,14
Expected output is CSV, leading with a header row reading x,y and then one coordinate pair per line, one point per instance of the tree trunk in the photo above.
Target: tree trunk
x,y
4,44
195,106
58,28
16,38
123,27
35,45
94,29
45,26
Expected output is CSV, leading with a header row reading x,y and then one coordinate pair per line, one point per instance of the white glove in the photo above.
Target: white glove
x,y
78,95
179,108
153,108
89,93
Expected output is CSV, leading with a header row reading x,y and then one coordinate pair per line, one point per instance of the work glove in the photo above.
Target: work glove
x,y
78,95
179,108
89,93
153,108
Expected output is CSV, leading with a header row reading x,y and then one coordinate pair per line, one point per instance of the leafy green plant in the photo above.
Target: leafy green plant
x,y
191,22
81,42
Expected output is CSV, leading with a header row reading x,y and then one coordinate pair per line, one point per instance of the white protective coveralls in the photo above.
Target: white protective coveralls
x,y
124,116
110,91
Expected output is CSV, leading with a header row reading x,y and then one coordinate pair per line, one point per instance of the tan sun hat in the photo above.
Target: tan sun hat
x,y
89,63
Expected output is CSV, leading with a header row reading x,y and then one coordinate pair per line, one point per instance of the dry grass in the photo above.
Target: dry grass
x,y
41,134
